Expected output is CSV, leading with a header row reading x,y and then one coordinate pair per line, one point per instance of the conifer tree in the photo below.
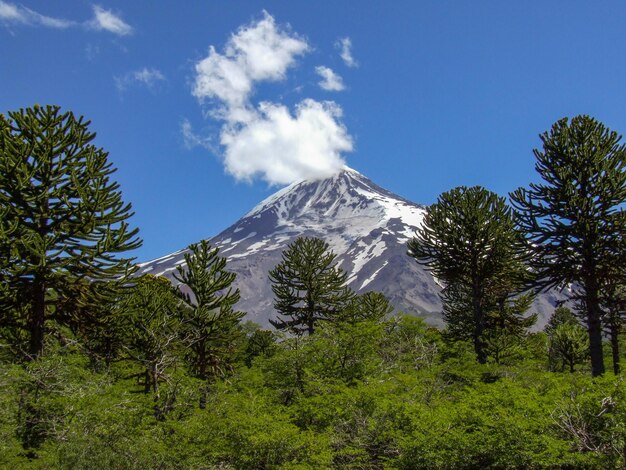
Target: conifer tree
x,y
259,343
614,306
64,222
308,287
568,343
507,326
209,322
468,240
575,220
149,311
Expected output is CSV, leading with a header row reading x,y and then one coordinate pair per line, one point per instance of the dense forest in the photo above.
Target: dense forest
x,y
103,369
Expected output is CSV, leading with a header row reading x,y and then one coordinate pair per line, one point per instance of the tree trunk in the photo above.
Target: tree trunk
x,y
37,318
594,328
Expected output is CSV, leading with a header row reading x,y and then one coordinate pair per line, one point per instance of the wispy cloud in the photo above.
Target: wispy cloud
x,y
12,14
91,51
191,139
148,77
106,20
9,12
330,80
345,51
268,140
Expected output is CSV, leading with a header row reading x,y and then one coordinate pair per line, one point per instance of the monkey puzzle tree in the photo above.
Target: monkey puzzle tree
x,y
64,221
209,322
307,286
613,301
468,240
508,325
149,311
575,220
614,305
568,342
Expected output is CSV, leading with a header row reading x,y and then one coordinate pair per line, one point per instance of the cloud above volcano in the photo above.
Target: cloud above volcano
x,y
267,139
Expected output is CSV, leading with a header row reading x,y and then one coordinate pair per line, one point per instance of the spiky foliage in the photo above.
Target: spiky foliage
x,y
560,316
259,343
307,286
7,230
149,310
568,343
63,220
370,306
468,240
209,322
575,219
507,327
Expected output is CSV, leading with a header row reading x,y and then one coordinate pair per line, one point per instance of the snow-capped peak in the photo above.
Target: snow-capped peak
x,y
366,226
345,195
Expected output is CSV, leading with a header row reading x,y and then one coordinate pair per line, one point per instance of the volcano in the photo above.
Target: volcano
x,y
366,226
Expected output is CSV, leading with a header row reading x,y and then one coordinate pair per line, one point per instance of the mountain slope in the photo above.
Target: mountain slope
x,y
364,224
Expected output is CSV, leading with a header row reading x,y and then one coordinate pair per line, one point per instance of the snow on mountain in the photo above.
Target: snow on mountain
x,y
364,224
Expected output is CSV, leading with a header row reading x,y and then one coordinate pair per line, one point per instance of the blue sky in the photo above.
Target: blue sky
x,y
427,95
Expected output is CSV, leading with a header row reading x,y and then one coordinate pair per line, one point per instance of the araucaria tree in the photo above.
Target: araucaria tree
x,y
307,286
209,324
575,220
63,220
568,342
149,312
468,240
614,306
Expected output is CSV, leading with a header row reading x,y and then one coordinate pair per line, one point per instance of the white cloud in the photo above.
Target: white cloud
x,y
50,22
106,20
10,12
191,139
103,20
267,141
282,148
345,51
91,51
17,14
149,78
257,52
330,80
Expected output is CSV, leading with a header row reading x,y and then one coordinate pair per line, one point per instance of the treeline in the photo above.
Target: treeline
x,y
100,369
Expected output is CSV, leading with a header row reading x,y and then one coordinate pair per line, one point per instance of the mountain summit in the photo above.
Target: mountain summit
x,y
365,225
